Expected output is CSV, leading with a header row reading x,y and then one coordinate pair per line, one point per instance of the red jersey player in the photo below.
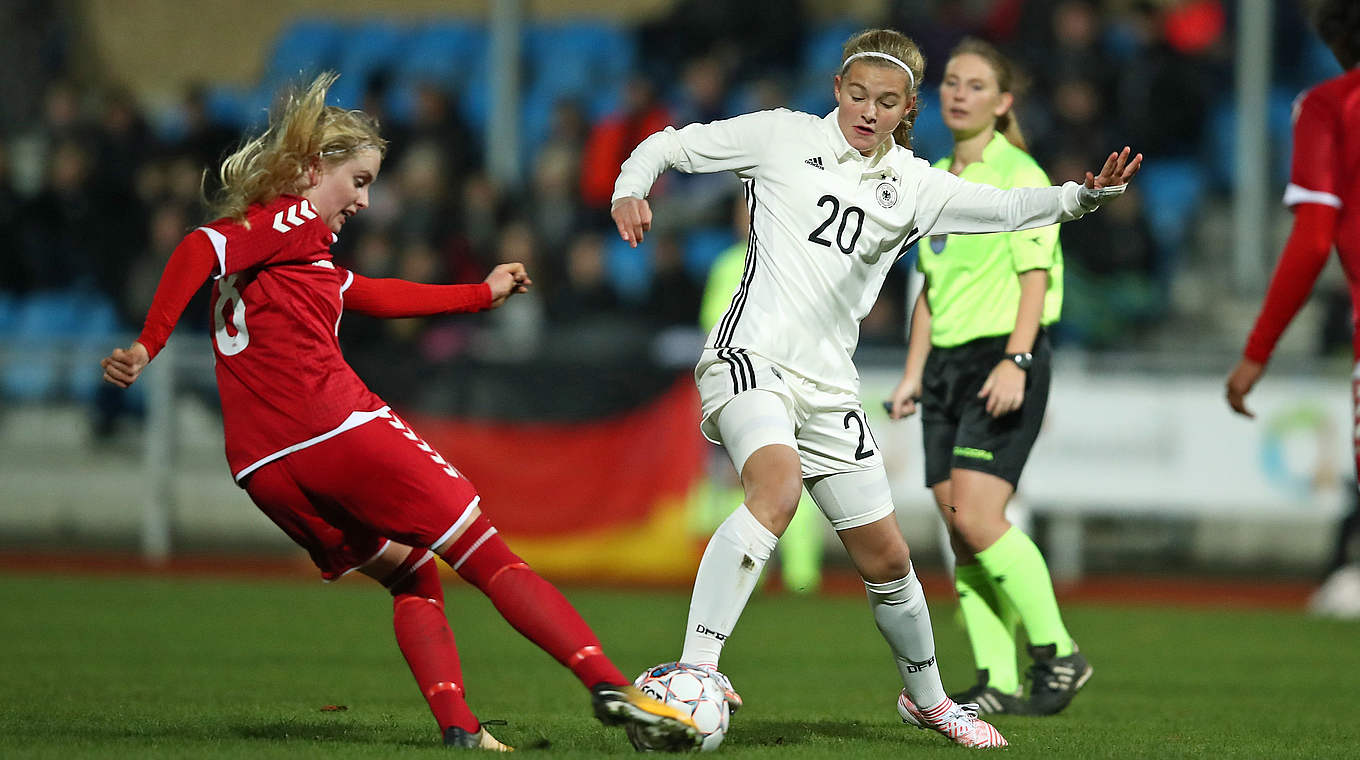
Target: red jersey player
x,y
1324,193
1325,197
320,453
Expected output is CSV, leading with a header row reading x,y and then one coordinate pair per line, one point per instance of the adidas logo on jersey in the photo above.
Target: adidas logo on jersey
x,y
816,162
294,216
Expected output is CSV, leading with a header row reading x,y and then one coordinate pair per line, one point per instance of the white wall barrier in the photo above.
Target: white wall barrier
x,y
1149,445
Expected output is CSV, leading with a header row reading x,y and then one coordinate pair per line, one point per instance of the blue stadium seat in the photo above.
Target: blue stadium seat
x,y
1172,190
822,51
8,313
304,48
630,269
930,138
1220,148
99,330
1318,62
42,319
448,51
226,105
49,314
577,58
702,247
369,47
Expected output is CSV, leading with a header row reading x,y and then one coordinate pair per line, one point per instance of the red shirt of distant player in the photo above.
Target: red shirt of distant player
x,y
1325,164
276,307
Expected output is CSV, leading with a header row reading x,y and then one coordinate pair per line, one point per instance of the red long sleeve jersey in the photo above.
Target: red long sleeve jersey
x,y
276,307
1324,191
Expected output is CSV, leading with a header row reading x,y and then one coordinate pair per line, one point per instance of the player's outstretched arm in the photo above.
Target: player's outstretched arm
x,y
506,280
189,265
123,366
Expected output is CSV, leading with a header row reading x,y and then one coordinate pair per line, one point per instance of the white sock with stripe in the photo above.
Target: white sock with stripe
x,y
727,575
904,620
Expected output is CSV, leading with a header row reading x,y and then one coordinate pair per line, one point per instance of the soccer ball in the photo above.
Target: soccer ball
x,y
690,690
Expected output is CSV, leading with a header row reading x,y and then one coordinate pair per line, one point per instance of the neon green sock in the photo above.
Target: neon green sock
x,y
1017,568
800,549
990,632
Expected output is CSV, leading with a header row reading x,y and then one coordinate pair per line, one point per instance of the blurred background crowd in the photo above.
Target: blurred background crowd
x,y
110,119
96,188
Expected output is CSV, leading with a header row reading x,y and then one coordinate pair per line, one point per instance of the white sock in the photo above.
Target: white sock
x,y
904,620
727,575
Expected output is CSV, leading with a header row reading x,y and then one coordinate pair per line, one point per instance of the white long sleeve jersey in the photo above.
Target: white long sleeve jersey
x,y
826,225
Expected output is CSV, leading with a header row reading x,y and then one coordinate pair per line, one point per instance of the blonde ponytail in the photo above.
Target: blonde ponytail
x,y
303,132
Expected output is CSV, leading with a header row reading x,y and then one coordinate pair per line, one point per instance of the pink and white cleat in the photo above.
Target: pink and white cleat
x,y
960,723
729,694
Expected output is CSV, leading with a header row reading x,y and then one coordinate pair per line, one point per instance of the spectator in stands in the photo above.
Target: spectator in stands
x,y
13,268
614,137
584,292
514,334
553,205
1157,74
203,139
757,36
62,241
673,297
437,120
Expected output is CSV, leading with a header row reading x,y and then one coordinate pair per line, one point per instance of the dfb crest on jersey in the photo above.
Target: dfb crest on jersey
x,y
937,243
886,194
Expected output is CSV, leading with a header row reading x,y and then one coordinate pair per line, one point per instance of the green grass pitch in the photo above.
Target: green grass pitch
x,y
142,667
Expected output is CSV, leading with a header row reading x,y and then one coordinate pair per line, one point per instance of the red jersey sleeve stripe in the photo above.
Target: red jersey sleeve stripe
x,y
219,244
1294,195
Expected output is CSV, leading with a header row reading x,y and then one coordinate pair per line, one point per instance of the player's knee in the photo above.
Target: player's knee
x,y
417,577
886,565
974,529
480,556
774,504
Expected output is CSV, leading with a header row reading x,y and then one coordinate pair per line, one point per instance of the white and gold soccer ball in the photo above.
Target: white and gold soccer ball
x,y
690,690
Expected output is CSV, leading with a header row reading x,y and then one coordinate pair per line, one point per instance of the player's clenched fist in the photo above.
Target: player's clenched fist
x,y
506,280
633,217
124,366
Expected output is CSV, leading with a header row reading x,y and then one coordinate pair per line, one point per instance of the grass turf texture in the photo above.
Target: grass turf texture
x,y
153,667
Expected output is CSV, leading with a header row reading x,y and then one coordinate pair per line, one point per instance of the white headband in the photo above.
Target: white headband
x,y
911,78
355,149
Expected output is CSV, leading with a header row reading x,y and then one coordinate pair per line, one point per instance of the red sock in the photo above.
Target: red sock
x,y
425,639
532,605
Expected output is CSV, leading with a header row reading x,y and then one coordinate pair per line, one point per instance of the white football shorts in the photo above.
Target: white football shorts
x,y
749,402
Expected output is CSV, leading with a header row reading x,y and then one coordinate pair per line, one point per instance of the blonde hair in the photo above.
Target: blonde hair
x,y
901,47
303,131
1007,80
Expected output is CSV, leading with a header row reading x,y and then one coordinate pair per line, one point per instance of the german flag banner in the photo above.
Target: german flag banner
x,y
600,500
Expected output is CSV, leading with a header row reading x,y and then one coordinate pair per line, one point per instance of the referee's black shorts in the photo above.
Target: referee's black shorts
x,y
958,431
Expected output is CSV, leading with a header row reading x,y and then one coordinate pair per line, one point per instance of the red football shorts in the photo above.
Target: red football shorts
x,y
341,498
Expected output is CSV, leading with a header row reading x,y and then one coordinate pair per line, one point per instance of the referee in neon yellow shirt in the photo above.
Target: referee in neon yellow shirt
x,y
979,363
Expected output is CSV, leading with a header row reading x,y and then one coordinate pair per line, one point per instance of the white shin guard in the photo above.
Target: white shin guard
x,y
904,620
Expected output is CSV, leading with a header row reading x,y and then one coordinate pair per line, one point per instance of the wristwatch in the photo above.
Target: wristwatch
x,y
1023,361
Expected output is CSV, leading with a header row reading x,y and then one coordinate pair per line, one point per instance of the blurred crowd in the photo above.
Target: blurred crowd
x,y
96,190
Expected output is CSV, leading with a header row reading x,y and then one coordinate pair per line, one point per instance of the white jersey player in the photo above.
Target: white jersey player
x,y
833,202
